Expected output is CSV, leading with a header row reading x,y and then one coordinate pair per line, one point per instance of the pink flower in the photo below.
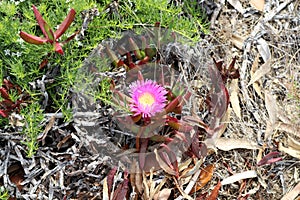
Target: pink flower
x,y
148,98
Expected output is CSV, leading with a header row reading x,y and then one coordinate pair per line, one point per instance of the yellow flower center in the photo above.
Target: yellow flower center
x,y
146,99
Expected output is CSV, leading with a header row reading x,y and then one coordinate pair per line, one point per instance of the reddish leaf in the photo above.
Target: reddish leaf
x,y
4,113
65,24
8,85
269,159
215,192
7,103
202,196
172,160
4,93
142,149
110,179
173,104
195,145
121,192
70,38
40,21
32,39
58,48
44,63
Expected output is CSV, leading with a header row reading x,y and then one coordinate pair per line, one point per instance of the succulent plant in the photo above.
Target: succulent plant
x,y
50,36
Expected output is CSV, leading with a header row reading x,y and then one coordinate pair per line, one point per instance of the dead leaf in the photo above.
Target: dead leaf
x,y
184,165
205,176
263,49
16,175
254,67
293,193
293,143
191,170
234,98
121,192
239,176
225,119
105,190
191,183
290,151
157,189
63,141
214,194
237,41
237,5
227,144
163,165
186,196
136,178
263,70
289,128
258,4
163,195
271,106
146,187
48,127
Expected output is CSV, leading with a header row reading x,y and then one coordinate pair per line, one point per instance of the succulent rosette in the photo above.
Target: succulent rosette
x,y
166,98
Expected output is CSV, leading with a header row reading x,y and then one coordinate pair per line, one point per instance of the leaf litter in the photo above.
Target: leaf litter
x,y
265,121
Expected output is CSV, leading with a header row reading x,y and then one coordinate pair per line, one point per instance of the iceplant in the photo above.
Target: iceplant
x,y
148,98
50,36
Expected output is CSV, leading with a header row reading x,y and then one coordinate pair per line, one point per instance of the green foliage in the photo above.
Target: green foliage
x,y
21,60
3,193
33,116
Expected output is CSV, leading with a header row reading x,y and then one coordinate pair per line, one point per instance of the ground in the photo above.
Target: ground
x,y
254,154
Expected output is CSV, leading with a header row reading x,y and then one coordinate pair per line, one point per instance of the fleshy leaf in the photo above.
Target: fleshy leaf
x,y
50,34
32,39
70,38
40,20
4,93
58,48
65,24
3,113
